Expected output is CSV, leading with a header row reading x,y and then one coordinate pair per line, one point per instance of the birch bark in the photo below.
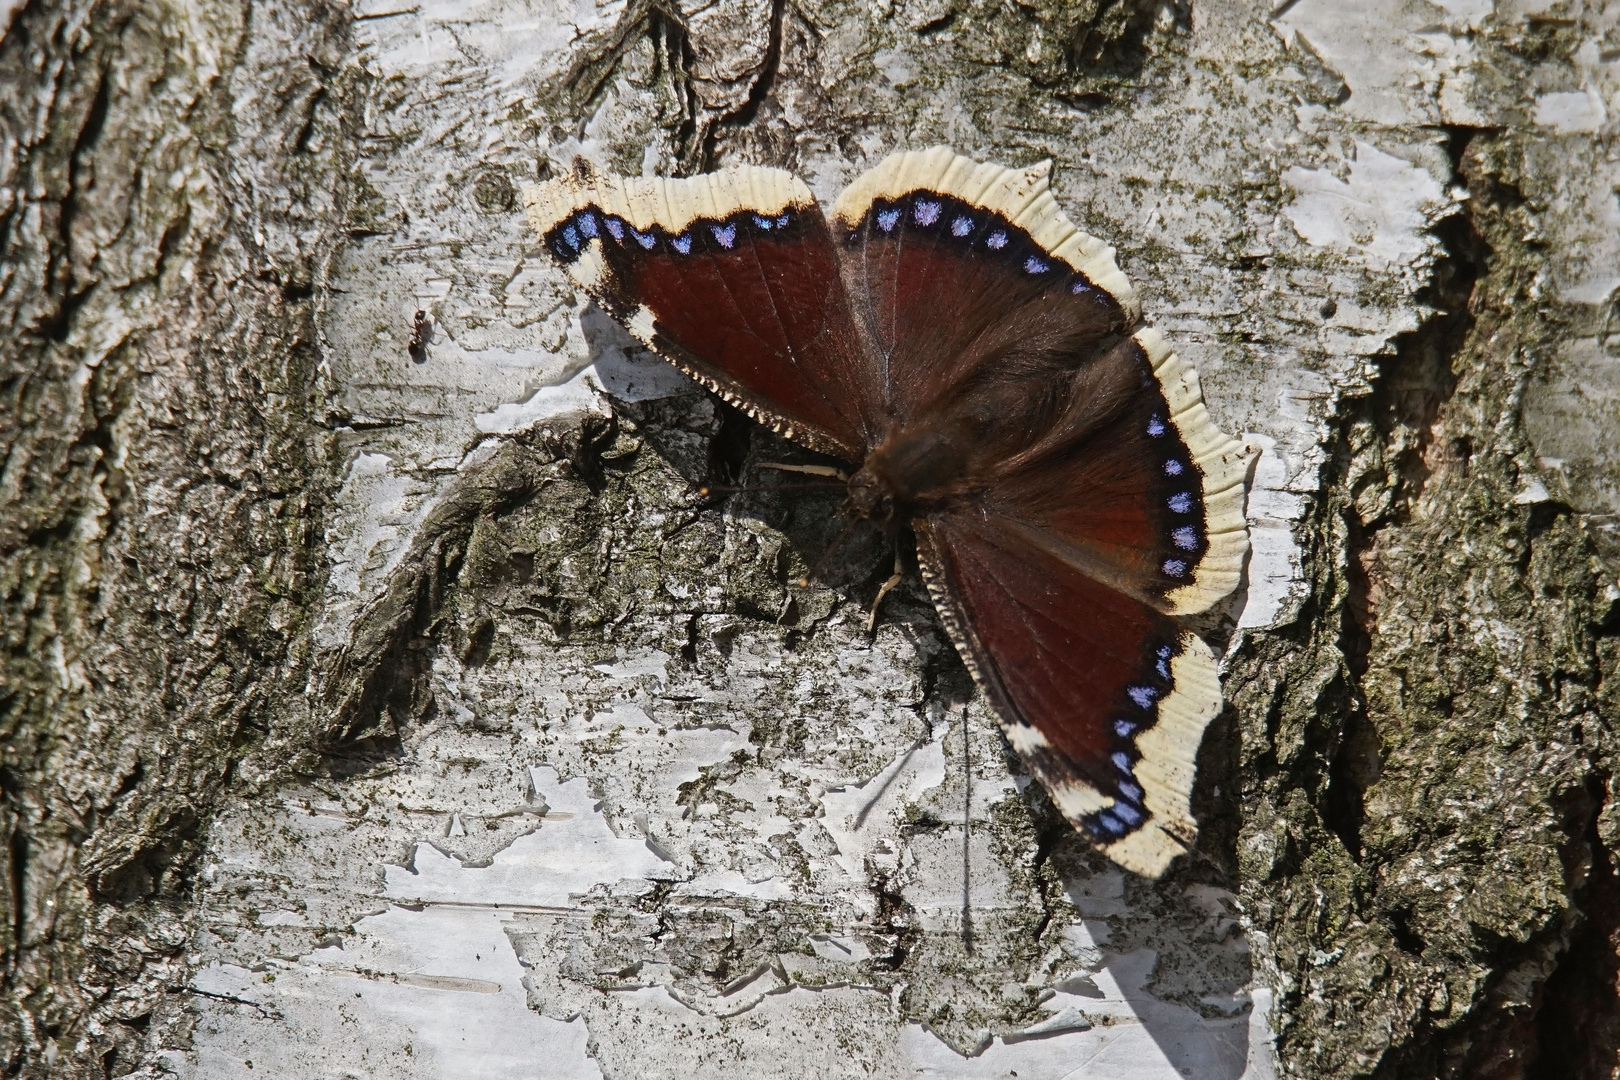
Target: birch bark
x,y
379,712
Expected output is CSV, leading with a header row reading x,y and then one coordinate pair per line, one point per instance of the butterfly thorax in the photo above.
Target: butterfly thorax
x,y
913,466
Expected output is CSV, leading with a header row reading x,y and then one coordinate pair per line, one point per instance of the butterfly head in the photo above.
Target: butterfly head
x,y
869,498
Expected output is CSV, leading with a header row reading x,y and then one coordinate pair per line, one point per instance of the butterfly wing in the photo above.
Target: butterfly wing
x,y
1132,482
1104,698
1058,577
732,276
1098,500
951,265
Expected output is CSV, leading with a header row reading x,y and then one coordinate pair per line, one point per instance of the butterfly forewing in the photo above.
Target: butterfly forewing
x,y
733,277
1115,488
941,254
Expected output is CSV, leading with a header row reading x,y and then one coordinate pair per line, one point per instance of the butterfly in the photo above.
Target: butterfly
x,y
979,364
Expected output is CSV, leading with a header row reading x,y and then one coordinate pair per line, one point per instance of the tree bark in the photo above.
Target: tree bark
x,y
382,710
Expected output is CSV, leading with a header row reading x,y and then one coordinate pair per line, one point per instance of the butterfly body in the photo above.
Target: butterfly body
x,y
977,361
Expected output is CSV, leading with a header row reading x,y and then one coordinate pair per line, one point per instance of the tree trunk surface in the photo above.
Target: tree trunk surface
x,y
386,712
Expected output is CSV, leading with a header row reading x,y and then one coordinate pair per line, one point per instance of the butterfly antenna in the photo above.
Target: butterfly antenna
x,y
706,490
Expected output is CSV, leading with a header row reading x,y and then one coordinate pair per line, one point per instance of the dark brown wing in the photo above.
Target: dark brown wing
x,y
1132,483
1103,697
995,323
732,276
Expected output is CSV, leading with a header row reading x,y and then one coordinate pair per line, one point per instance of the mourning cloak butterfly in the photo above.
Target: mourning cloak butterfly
x,y
976,357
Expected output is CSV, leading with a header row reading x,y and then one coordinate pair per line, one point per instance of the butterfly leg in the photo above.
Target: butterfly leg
x,y
884,590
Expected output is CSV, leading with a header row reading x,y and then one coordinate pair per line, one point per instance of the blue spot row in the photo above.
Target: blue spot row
x,y
928,210
1128,813
1184,537
584,227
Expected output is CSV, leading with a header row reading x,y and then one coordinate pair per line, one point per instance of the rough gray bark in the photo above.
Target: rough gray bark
x,y
309,645
165,227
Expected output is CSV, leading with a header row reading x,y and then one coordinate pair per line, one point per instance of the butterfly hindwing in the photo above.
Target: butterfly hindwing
x,y
1132,482
1104,698
732,276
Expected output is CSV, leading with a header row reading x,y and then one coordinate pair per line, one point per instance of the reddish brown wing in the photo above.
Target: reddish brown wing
x,y
994,320
952,266
733,277
1103,697
1096,498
